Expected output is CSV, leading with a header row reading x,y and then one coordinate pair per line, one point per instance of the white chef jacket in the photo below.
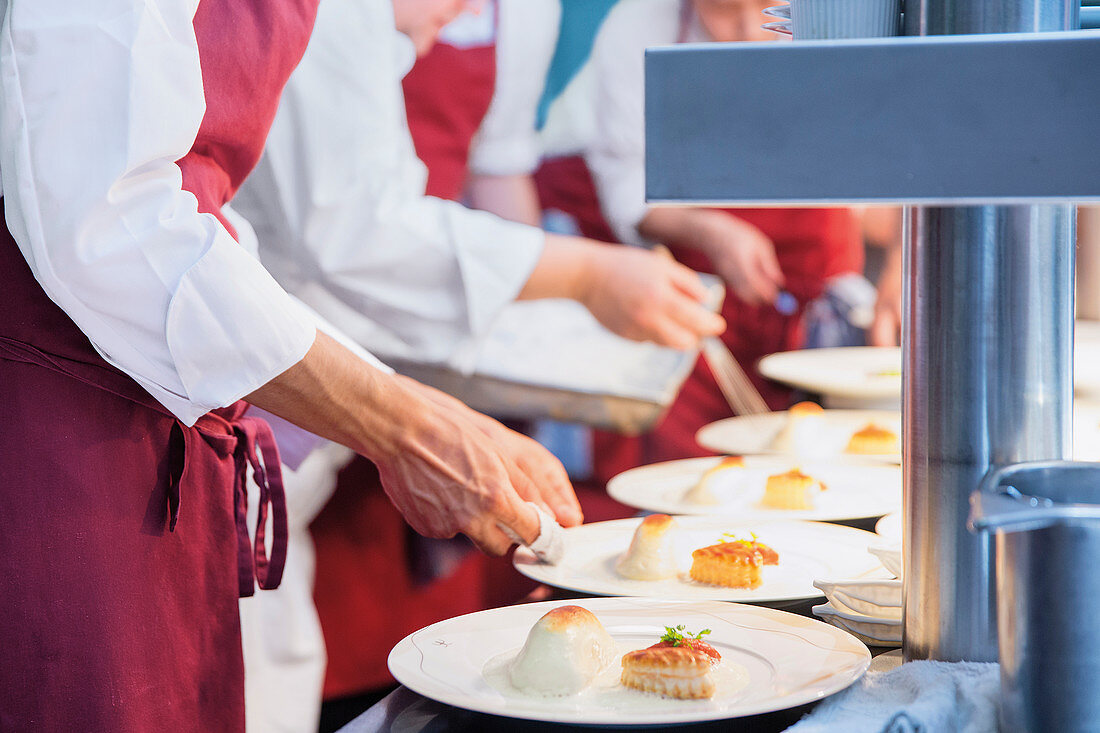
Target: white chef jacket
x,y
507,142
616,156
97,102
339,207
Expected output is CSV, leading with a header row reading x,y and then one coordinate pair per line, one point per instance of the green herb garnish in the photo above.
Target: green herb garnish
x,y
677,636
730,537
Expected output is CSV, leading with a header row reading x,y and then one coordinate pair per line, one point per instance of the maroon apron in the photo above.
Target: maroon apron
x,y
123,545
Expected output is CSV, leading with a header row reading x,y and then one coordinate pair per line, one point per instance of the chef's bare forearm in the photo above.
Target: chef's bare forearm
x,y
564,269
334,394
514,198
697,229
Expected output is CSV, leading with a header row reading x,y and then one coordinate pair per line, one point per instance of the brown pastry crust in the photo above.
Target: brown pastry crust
x,y
567,616
873,439
791,490
672,671
730,564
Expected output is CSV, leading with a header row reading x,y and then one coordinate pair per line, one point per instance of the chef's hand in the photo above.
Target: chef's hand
x,y
885,329
744,256
548,484
440,469
646,297
447,476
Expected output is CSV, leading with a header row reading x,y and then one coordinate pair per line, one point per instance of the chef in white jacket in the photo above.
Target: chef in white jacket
x,y
343,223
133,324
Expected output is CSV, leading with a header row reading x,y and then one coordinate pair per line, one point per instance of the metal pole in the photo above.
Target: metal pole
x,y
987,375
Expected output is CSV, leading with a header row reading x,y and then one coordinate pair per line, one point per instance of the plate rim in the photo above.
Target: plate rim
x,y
766,365
841,678
523,560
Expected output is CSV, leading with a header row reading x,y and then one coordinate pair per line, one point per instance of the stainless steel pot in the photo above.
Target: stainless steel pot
x,y
1046,520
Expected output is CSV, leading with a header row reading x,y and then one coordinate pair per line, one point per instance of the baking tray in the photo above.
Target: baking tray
x,y
551,359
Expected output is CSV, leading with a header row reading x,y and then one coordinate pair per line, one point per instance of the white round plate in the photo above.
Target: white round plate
x,y
890,527
756,434
856,374
1086,358
1086,430
853,490
781,660
807,551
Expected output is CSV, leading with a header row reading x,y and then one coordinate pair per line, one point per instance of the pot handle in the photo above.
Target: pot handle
x,y
997,504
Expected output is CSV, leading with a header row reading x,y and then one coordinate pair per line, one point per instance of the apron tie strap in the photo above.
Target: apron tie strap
x,y
254,565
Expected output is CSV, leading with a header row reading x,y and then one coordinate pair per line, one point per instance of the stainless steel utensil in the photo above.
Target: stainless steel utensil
x,y
740,393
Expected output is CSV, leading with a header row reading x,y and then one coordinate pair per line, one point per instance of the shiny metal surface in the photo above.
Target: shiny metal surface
x,y
987,375
1047,552
986,381
973,120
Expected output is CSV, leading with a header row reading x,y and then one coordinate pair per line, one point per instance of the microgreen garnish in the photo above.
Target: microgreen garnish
x,y
730,537
677,636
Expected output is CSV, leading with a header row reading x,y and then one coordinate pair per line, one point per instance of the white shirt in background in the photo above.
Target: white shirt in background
x,y
616,155
339,207
98,100
507,142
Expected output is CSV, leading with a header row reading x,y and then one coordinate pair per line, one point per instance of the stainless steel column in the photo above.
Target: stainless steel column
x,y
987,375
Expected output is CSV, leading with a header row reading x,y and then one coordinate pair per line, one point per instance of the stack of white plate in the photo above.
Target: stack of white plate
x,y
870,610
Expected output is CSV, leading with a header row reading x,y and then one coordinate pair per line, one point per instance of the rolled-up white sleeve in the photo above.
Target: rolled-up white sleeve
x,y
616,157
507,142
99,101
339,207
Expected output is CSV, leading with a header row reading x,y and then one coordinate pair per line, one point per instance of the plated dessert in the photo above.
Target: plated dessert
x,y
791,490
652,552
779,563
568,649
801,435
763,660
703,492
753,488
680,665
733,563
565,651
873,440
803,432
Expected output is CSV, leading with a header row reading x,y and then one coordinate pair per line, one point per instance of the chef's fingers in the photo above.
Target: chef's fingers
x,y
667,332
688,281
884,329
694,317
556,490
519,521
769,265
490,539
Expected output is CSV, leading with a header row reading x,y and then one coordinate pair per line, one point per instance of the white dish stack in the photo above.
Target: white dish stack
x,y
871,610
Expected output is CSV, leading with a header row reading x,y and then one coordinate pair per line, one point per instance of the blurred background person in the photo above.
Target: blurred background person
x,y
759,253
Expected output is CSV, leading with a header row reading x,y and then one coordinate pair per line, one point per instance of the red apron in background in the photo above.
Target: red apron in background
x,y
122,544
812,246
566,184
447,95
366,591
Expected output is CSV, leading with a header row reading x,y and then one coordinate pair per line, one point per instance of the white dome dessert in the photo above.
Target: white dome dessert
x,y
566,649
802,434
652,552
